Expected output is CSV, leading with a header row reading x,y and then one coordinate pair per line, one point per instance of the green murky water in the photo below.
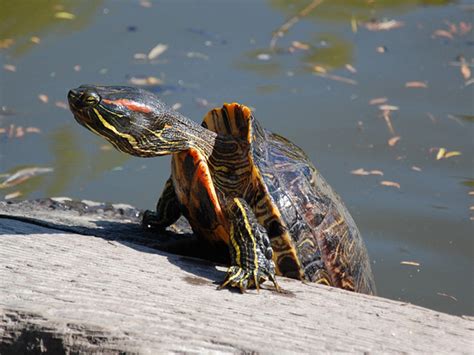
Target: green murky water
x,y
314,85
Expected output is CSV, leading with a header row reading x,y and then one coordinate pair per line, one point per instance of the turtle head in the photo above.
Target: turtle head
x,y
135,121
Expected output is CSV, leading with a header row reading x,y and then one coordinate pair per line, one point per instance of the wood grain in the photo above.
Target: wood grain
x,y
63,291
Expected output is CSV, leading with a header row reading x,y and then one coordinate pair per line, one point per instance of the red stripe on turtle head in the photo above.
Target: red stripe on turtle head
x,y
129,104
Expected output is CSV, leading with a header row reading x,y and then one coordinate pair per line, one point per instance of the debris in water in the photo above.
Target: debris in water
x,y
145,3
9,67
61,104
388,108
411,263
351,68
394,140
22,175
43,98
201,102
465,70
363,172
443,153
140,56
335,78
384,25
63,15
390,183
6,43
176,106
12,195
150,80
446,295
388,120
264,56
378,101
300,45
416,84
156,51
197,55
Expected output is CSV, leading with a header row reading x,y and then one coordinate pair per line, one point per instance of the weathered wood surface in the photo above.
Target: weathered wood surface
x,y
79,278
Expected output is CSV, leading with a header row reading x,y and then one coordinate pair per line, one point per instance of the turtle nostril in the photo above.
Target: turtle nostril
x,y
73,94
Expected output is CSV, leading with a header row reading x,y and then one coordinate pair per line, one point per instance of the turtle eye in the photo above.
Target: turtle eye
x,y
90,98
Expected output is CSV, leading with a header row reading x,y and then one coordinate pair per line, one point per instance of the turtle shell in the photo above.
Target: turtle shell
x,y
313,236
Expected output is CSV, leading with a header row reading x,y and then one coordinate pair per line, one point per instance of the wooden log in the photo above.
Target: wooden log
x,y
81,277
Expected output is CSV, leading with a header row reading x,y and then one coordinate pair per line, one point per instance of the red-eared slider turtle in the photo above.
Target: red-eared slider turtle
x,y
238,183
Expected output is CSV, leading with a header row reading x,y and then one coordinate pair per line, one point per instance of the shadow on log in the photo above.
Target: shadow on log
x,y
85,277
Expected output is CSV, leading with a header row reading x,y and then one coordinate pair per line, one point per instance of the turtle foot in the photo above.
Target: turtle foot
x,y
243,279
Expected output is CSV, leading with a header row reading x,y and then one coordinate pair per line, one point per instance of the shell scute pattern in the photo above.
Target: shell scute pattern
x,y
327,242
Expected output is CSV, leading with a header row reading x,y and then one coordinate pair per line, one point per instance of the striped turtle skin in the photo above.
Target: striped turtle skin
x,y
236,183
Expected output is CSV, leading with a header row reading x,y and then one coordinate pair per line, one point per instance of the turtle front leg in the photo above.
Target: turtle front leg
x,y
250,250
167,209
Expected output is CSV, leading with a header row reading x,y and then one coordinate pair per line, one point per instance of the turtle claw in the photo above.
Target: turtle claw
x,y
239,278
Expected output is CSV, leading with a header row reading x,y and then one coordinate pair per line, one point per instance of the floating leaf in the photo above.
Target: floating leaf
x,y
35,40
394,140
446,295
22,175
32,130
6,43
353,24
378,101
443,33
383,25
141,56
364,172
390,183
464,27
197,55
337,78
63,15
351,68
388,120
12,195
300,45
416,84
465,70
451,154
9,67
441,153
150,80
388,108
411,263
320,69
43,98
264,56
145,3
157,50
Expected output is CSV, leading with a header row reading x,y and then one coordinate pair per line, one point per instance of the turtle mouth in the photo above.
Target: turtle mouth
x,y
73,97
81,110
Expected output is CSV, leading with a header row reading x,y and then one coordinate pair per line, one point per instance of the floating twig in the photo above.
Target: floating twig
x,y
280,32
